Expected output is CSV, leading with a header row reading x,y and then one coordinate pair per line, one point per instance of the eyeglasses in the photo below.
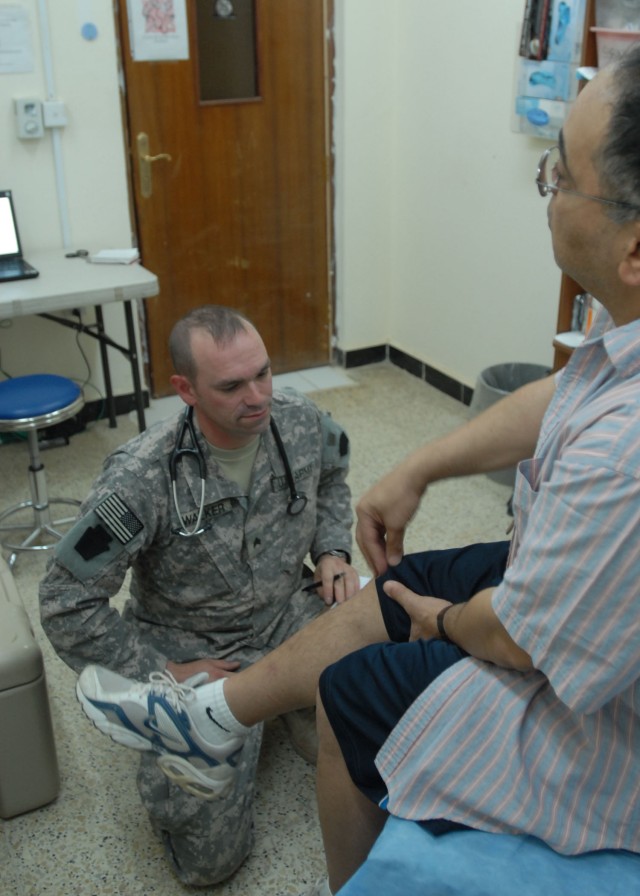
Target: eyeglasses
x,y
549,161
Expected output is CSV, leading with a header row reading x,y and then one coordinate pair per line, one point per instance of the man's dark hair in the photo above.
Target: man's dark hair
x,y
223,324
618,161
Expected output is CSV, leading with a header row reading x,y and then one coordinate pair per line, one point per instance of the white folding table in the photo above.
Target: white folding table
x,y
68,283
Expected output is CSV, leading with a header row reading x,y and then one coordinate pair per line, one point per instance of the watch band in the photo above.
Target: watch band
x,y
336,552
440,623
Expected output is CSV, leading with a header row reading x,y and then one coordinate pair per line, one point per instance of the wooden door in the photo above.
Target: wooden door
x,y
240,214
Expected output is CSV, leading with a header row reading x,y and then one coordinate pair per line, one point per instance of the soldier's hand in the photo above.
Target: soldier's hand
x,y
337,580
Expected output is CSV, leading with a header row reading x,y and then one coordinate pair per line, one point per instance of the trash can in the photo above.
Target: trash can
x,y
492,385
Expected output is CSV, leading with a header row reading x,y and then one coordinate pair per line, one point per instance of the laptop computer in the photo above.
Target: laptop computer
x,y
12,264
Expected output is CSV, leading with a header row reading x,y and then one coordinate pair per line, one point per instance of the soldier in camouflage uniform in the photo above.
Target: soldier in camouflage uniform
x,y
223,597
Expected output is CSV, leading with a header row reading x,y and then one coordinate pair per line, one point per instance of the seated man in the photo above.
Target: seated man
x,y
213,511
496,686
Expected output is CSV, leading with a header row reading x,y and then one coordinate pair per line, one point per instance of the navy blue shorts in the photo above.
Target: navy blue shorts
x,y
367,692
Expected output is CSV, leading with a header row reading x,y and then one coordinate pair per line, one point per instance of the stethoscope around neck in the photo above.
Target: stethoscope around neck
x,y
297,501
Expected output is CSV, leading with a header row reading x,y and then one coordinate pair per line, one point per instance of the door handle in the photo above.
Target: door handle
x,y
144,164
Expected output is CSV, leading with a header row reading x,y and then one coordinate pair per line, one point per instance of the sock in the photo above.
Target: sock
x,y
325,891
211,710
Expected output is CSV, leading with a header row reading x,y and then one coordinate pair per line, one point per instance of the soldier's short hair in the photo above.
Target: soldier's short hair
x,y
223,324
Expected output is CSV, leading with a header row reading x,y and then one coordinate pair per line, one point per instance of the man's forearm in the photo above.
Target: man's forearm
x,y
475,628
501,436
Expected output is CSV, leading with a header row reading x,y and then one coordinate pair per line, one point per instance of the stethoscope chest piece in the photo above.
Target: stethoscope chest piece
x,y
296,504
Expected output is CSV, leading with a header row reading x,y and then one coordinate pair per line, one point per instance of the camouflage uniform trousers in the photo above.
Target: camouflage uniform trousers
x,y
205,841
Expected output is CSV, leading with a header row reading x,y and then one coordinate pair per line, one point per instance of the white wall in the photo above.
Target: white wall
x,y
85,77
443,249
442,245
364,125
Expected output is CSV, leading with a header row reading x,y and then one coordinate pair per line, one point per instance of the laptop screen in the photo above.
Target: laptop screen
x,y
9,239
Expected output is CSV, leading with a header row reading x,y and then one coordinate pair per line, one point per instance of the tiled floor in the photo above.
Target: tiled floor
x,y
94,840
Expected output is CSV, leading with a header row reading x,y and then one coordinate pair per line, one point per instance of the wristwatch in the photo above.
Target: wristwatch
x,y
345,555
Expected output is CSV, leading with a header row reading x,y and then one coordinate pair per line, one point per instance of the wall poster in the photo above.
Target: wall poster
x,y
158,30
16,50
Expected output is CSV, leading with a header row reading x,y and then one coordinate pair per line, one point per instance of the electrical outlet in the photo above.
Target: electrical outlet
x,y
29,118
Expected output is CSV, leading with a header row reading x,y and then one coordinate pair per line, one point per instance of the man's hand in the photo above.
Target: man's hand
x,y
214,668
421,609
499,437
337,579
384,512
472,625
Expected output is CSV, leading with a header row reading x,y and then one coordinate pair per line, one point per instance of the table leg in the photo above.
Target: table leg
x,y
106,372
135,371
97,331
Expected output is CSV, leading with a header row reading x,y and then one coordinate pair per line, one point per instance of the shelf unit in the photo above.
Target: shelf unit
x,y
569,289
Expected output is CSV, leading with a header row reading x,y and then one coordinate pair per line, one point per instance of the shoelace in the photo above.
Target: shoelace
x,y
176,692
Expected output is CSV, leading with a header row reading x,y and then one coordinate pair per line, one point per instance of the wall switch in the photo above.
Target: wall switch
x,y
54,113
29,119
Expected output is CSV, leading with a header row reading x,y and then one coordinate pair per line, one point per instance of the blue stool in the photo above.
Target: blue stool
x,y
27,404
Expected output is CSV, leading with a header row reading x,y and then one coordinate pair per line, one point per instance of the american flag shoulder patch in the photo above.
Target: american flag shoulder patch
x,y
121,521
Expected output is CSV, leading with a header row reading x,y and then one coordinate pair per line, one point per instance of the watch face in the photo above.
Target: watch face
x,y
224,8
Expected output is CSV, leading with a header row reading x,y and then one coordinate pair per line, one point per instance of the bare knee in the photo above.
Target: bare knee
x,y
362,617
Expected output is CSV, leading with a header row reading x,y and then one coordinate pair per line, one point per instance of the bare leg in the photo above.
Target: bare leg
x,y
350,822
287,678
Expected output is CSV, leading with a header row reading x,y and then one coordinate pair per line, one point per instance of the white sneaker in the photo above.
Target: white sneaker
x,y
155,716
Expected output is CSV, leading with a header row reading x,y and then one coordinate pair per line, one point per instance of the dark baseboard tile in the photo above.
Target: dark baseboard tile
x,y
96,410
407,362
374,354
377,353
448,385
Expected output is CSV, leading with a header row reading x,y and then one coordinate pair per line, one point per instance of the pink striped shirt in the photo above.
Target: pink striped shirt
x,y
554,752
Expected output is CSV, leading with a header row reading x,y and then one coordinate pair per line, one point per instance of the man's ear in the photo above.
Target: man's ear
x,y
183,387
629,268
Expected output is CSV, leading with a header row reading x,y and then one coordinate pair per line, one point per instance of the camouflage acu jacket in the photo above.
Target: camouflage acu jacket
x,y
223,593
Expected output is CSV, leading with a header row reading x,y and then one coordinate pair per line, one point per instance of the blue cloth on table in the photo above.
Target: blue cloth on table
x,y
407,860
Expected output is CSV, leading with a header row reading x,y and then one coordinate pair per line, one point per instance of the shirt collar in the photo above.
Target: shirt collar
x,y
622,345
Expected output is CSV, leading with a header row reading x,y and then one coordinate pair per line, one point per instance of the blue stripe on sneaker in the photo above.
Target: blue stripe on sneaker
x,y
179,719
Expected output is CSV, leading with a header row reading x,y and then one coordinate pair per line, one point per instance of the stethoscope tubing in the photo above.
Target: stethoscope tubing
x,y
297,501
179,452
